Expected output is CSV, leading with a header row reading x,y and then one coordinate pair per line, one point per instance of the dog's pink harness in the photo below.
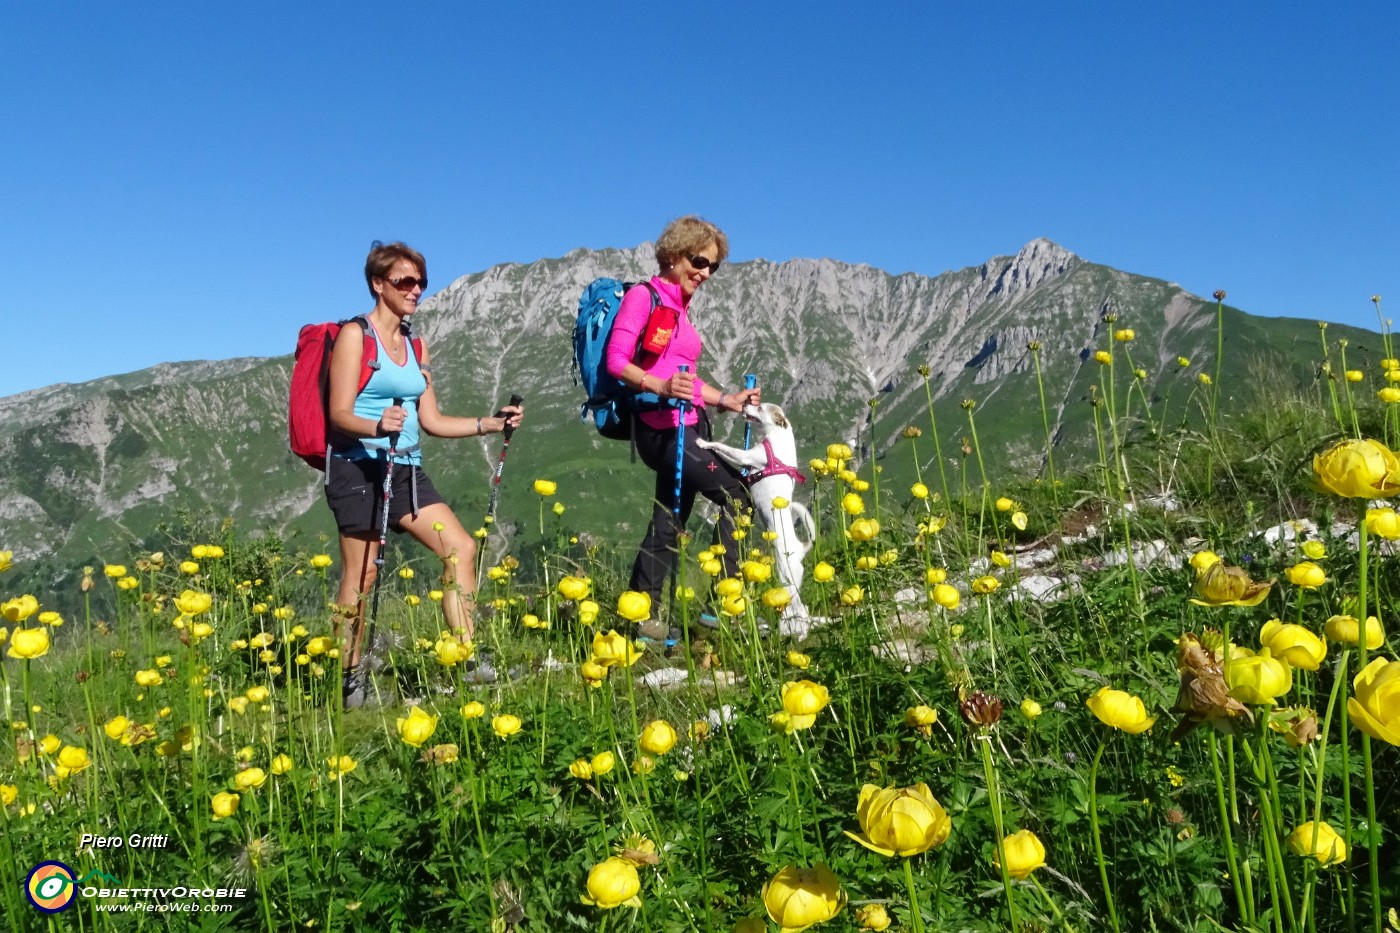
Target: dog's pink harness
x,y
774,467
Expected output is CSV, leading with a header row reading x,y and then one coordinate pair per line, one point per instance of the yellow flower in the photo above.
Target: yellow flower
x,y
921,719
873,917
505,725
1357,469
224,805
50,744
28,643
613,882
1024,854
985,586
1004,504
128,583
74,758
711,566
658,737
946,595
341,764
852,595
581,769
802,700
1390,395
643,764
1019,520
1315,550
1125,334
474,709
900,820
798,660
1202,560
823,572
51,619
250,779
405,573
634,606
574,588
450,651
777,598
1203,378
1120,710
1319,841
116,727
1354,375
238,704
1294,644
416,728
1375,707
189,567
1383,523
1030,708
192,603
114,570
1258,679
1389,362
1346,630
319,645
9,793
558,508
281,764
1306,574
321,561
860,485
796,898
1103,357
1222,585
838,452
593,673
756,571
602,763
1183,362
864,529
919,491
613,650
19,608
1001,559
852,503
546,487
257,694
149,678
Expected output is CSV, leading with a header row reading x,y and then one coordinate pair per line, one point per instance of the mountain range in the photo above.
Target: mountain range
x,y
102,467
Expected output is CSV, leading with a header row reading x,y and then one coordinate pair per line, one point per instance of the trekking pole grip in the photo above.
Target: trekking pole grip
x,y
508,430
394,436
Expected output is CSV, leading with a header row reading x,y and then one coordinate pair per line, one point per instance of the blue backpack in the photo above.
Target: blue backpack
x,y
610,403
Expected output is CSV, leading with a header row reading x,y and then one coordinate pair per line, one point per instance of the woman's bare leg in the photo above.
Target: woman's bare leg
x,y
457,549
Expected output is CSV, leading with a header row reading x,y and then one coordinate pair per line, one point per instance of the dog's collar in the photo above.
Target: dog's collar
x,y
774,467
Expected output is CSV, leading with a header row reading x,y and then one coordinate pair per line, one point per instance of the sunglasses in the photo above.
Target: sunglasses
x,y
704,262
408,283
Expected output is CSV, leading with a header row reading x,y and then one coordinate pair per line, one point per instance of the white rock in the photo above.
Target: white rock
x,y
902,651
1289,532
719,717
1144,556
663,677
910,595
1043,588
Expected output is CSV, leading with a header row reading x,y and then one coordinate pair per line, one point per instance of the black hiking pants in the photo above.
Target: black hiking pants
x,y
701,472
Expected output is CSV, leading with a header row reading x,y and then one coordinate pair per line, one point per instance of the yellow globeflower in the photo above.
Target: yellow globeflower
x,y
189,567
1125,334
873,917
900,820
1202,560
852,596
1314,550
505,725
852,503
558,508
1390,395
644,764
1030,708
777,598
416,728
1319,841
74,758
1024,854
149,678
838,452
19,608
921,719
823,572
602,763
581,769
250,779
593,673
116,727
1346,630
574,588
474,709
192,603
864,529
342,764
634,606
1004,504
1019,520
1306,574
935,575
946,595
734,606
281,764
257,694
1222,585
1354,375
658,737
9,793
796,898
613,650
985,586
1383,523
919,491
321,561
546,487
1357,469
114,570
1294,644
28,643
802,700
756,571
224,805
1375,707
613,883
1103,357
1120,710
799,660
1001,559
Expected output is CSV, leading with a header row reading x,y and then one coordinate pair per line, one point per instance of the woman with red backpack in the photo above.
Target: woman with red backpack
x,y
653,348
374,433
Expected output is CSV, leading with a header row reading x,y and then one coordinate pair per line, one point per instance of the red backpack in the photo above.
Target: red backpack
x,y
308,408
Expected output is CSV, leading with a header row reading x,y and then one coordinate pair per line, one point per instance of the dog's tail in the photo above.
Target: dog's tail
x,y
800,511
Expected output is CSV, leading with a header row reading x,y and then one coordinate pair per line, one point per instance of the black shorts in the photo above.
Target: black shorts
x,y
355,493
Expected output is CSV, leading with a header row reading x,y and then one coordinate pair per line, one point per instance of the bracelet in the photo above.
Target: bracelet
x,y
478,426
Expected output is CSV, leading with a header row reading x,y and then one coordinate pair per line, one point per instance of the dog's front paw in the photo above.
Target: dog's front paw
x,y
704,444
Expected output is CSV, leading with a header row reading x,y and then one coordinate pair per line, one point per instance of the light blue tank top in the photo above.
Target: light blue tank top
x,y
388,382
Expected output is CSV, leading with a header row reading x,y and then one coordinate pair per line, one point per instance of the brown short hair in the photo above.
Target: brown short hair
x,y
687,236
382,257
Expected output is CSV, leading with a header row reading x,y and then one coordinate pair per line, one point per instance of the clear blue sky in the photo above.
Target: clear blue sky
x,y
195,180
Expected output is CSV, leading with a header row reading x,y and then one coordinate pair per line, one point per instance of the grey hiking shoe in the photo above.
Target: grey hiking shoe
x,y
352,689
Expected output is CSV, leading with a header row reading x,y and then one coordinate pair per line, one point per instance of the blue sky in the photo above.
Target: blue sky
x,y
195,180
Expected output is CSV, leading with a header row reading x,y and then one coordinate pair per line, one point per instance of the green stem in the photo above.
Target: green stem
x,y
1098,842
915,912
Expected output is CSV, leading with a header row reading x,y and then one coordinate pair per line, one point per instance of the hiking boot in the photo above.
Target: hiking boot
x,y
352,689
654,630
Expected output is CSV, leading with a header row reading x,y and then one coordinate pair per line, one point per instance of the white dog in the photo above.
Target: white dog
x,y
772,473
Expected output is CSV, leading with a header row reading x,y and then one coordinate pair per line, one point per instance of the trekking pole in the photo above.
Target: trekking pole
x,y
501,463
383,527
750,381
683,406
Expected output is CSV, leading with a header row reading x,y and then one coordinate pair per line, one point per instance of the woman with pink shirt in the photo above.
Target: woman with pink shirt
x,y
651,339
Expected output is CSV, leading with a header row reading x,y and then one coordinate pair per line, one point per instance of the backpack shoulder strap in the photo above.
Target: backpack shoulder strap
x,y
417,342
655,303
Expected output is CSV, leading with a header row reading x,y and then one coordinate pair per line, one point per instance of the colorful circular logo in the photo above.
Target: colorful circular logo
x,y
50,887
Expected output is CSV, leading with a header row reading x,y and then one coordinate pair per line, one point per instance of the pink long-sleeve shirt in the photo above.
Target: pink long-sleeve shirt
x,y
684,348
